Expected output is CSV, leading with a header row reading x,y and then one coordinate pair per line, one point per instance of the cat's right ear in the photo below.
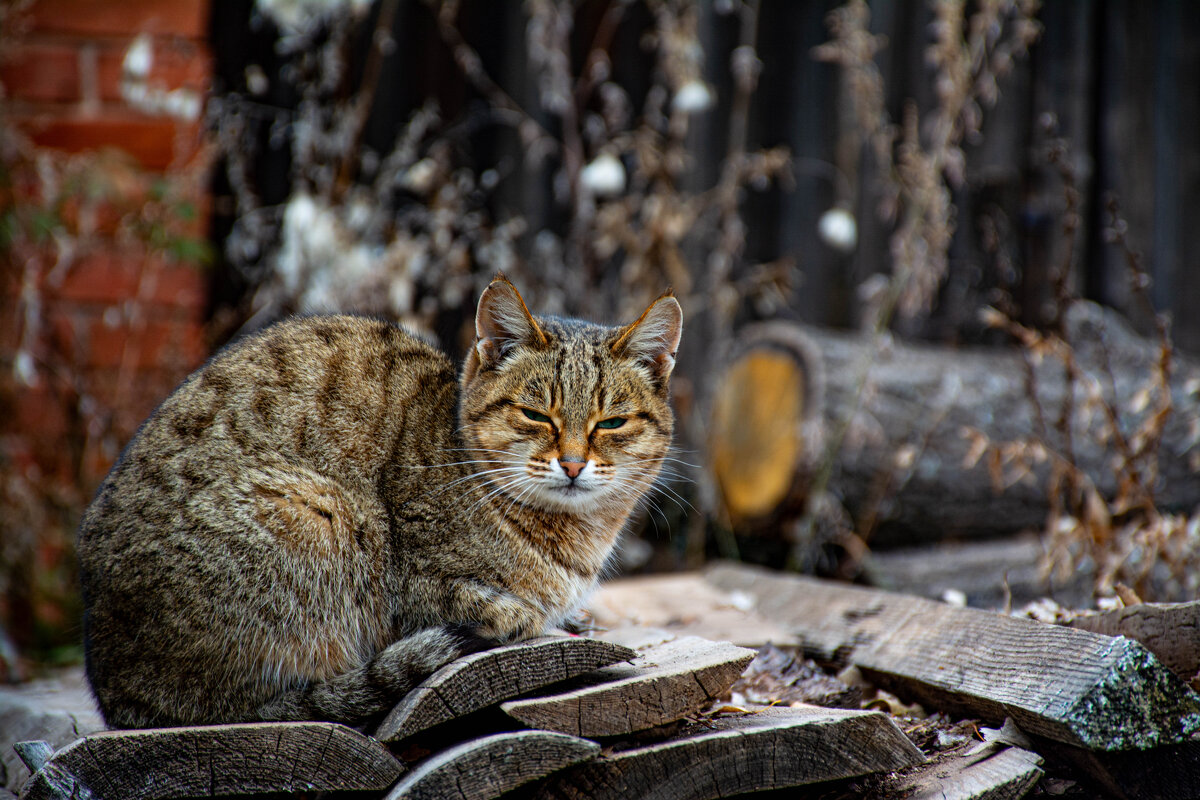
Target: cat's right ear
x,y
502,321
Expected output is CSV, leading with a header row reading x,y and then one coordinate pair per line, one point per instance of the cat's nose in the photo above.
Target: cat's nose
x,y
572,468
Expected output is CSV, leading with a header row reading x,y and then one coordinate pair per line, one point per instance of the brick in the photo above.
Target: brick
x,y
177,64
100,277
188,18
156,142
153,345
112,277
181,286
40,71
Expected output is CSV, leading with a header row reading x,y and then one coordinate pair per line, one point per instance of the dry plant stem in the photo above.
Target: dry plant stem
x,y
366,96
468,60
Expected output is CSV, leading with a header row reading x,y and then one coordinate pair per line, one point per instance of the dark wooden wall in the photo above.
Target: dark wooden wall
x,y
1118,78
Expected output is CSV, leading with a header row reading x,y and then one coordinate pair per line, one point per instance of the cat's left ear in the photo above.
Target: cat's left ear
x,y
503,321
654,338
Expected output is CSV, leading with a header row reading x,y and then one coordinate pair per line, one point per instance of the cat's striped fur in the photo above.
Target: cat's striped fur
x,y
324,513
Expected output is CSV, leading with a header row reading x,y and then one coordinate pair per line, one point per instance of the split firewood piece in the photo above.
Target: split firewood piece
x,y
1005,774
773,748
1067,685
1169,630
488,677
490,766
665,683
57,711
216,760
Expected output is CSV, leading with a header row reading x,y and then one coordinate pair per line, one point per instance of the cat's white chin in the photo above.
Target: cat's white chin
x,y
569,498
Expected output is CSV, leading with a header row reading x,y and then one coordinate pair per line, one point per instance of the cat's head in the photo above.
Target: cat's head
x,y
565,415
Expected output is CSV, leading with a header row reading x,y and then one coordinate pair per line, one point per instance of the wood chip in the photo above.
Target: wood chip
x,y
1068,685
665,683
490,766
488,677
216,760
771,749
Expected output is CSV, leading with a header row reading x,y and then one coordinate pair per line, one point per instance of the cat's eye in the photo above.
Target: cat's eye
x,y
535,416
611,422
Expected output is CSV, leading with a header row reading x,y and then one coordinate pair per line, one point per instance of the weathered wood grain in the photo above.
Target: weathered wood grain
x,y
490,766
685,605
1067,685
1006,774
1169,630
665,683
488,677
772,749
57,711
216,760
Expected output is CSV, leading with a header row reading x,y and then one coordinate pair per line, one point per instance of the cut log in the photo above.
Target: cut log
x,y
216,760
1169,630
1067,685
665,683
484,679
685,605
764,433
490,766
774,748
57,711
922,397
1007,774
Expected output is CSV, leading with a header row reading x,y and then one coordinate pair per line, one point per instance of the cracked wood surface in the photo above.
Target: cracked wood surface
x,y
666,682
1005,774
212,761
488,767
483,679
771,749
1067,685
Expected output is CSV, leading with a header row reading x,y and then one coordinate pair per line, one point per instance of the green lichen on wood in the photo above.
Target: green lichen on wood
x,y
1139,704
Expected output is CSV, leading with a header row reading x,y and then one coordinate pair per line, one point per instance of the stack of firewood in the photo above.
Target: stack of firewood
x,y
656,711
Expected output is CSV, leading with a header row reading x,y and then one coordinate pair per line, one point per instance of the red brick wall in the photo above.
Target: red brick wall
x,y
111,328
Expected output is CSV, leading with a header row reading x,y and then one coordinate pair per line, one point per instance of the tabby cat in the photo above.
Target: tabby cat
x,y
323,514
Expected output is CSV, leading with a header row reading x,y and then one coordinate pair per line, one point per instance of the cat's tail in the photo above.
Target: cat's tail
x,y
371,690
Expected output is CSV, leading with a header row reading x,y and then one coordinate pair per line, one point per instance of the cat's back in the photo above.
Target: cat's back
x,y
326,392
245,511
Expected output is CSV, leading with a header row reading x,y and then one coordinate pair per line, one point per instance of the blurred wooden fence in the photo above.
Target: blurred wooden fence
x,y
1116,77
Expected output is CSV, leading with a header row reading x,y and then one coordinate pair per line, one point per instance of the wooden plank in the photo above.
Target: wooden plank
x,y
1067,685
685,605
1169,630
771,749
216,760
490,766
1007,774
488,677
988,573
57,710
665,683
